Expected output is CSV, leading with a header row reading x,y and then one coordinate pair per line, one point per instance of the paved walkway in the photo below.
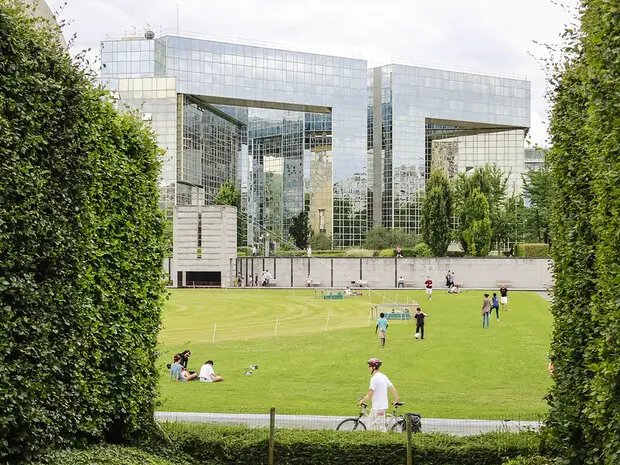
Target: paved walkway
x,y
429,425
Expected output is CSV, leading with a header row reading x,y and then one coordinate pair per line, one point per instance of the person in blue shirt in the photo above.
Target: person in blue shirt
x,y
381,328
176,369
495,305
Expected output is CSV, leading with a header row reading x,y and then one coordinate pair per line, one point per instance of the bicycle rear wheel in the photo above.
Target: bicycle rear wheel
x,y
351,424
398,427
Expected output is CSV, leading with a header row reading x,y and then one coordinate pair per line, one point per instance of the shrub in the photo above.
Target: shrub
x,y
532,250
244,251
386,253
320,241
359,253
83,241
249,446
329,253
290,253
104,455
534,460
455,253
422,250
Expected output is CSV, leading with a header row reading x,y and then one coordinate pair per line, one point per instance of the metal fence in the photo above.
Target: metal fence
x,y
457,427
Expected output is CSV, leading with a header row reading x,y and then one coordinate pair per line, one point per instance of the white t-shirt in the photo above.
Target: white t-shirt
x,y
380,383
206,371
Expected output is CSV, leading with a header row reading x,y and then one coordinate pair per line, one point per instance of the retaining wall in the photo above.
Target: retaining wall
x,y
472,273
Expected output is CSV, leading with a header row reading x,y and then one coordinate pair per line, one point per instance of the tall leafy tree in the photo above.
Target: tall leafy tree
x,y
437,209
300,230
478,233
539,189
490,181
230,195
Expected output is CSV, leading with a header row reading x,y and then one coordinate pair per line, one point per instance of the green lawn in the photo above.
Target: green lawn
x,y
459,371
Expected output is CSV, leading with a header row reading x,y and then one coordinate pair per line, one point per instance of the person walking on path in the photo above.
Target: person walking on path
x,y
486,309
399,252
503,292
381,328
429,287
495,305
378,392
419,322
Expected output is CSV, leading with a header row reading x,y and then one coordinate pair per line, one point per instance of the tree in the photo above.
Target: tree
x,y
491,182
478,233
437,213
300,229
230,195
539,189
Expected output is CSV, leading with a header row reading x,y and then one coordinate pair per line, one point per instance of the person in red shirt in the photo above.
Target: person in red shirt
x,y
429,287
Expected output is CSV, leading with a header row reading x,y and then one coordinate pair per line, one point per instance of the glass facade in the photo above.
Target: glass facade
x,y
419,118
298,131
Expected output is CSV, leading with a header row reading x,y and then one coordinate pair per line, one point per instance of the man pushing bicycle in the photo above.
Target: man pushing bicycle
x,y
379,384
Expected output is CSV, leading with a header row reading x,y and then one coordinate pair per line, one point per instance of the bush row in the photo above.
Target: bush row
x,y
240,445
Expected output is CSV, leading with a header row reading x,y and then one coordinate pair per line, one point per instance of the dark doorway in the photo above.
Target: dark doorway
x,y
203,279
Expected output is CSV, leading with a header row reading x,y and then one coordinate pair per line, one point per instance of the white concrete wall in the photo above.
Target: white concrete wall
x,y
219,241
473,273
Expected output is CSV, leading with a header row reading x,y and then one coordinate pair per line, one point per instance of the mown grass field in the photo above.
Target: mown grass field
x,y
316,366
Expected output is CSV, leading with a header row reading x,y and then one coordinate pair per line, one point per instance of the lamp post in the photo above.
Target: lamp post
x,y
266,244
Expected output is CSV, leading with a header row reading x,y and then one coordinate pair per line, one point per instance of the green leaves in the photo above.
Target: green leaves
x,y
584,165
81,235
437,209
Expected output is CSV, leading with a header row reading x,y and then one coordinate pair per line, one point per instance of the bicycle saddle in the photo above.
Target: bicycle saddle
x,y
398,404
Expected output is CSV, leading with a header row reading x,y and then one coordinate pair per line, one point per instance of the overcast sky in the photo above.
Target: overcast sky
x,y
497,36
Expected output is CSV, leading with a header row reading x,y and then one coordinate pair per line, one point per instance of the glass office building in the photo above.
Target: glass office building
x,y
305,132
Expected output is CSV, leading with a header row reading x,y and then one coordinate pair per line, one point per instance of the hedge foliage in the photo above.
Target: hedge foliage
x,y
239,445
82,242
110,455
584,418
532,250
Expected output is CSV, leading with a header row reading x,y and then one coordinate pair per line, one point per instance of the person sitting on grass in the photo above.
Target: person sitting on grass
x,y
176,369
454,289
189,375
207,375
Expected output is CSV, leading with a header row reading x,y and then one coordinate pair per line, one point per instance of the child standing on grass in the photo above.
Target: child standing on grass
x,y
495,305
381,328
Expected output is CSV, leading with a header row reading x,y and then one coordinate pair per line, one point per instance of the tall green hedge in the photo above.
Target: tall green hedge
x,y
82,246
584,419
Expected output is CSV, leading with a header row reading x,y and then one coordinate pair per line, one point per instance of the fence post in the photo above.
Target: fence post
x,y
409,439
272,433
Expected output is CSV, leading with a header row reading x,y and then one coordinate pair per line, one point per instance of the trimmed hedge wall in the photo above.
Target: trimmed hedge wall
x,y
82,246
584,418
240,445
532,250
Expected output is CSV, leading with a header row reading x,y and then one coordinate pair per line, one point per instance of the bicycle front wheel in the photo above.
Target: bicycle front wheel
x,y
351,424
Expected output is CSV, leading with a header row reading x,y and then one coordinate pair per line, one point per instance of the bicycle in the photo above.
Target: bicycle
x,y
395,422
